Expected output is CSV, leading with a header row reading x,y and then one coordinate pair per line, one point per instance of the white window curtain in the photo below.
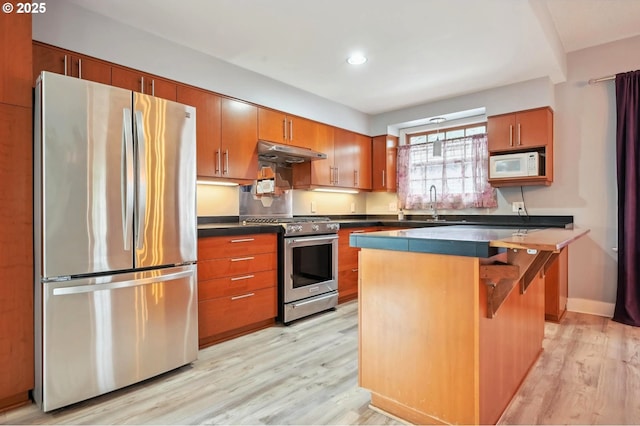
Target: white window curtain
x,y
460,175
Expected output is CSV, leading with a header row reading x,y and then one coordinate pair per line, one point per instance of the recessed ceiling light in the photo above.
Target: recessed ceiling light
x,y
356,59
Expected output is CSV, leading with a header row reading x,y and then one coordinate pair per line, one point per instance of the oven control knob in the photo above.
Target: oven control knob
x,y
315,228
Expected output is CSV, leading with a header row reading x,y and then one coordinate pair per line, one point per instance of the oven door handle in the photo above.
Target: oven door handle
x,y
307,239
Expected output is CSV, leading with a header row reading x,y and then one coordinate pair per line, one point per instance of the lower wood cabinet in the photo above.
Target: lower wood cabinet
x,y
237,285
348,263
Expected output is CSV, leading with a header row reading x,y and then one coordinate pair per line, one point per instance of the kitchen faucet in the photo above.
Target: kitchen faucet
x,y
433,199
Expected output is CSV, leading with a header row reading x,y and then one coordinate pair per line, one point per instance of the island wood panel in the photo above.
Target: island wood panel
x,y
418,319
510,344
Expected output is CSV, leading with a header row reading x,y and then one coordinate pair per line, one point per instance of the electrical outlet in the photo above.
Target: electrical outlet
x,y
516,206
393,206
313,207
353,207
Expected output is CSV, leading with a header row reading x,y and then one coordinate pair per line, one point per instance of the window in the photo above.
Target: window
x,y
454,161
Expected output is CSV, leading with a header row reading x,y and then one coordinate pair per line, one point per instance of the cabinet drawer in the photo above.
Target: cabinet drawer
x,y
236,285
239,245
224,314
239,265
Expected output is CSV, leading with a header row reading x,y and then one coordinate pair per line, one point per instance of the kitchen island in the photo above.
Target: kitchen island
x,y
451,318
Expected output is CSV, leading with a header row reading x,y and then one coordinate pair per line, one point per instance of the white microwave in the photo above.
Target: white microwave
x,y
522,164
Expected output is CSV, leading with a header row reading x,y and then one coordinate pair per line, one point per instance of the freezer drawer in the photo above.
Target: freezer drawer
x,y
103,333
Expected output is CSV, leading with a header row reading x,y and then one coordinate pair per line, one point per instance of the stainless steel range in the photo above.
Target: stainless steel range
x,y
308,246
308,265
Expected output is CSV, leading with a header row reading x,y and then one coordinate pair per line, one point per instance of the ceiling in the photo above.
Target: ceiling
x,y
418,50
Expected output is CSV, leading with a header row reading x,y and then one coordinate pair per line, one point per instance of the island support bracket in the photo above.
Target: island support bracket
x,y
522,266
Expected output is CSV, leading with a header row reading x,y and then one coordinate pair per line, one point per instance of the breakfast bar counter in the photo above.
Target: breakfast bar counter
x,y
452,317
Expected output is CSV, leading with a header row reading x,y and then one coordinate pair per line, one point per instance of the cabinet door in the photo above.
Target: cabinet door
x,y
207,128
533,128
90,69
392,164
322,170
501,132
161,88
379,163
363,162
49,59
345,150
302,132
127,79
239,127
272,125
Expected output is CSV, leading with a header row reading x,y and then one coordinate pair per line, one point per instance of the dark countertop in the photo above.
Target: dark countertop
x,y
459,240
230,225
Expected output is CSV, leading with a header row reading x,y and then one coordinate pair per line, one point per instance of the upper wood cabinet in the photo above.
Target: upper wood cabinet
x,y
48,58
352,163
238,156
143,83
207,128
348,162
226,132
276,126
523,131
15,59
520,130
384,163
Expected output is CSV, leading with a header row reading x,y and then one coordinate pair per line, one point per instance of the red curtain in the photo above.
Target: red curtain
x,y
627,308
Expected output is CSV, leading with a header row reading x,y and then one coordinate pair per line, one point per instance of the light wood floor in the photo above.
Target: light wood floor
x,y
589,373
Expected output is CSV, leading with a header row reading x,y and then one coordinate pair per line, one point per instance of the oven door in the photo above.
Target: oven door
x,y
310,266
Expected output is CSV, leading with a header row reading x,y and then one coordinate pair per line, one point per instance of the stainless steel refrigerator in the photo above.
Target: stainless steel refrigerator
x,y
115,238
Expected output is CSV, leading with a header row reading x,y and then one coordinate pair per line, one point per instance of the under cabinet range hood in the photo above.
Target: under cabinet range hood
x,y
288,154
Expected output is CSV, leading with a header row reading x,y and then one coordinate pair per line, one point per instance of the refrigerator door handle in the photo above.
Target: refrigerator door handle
x,y
120,284
142,179
127,178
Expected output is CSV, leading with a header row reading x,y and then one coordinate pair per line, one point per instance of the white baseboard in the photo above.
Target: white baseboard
x,y
593,307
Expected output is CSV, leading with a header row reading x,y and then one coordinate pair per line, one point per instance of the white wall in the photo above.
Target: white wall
x,y
69,26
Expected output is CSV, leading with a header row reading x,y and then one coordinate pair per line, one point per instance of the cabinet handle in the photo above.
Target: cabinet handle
x,y
65,64
354,270
357,232
79,68
245,277
217,171
355,178
243,296
241,259
284,129
337,175
510,135
290,130
383,179
243,240
519,135
153,87
142,84
226,162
